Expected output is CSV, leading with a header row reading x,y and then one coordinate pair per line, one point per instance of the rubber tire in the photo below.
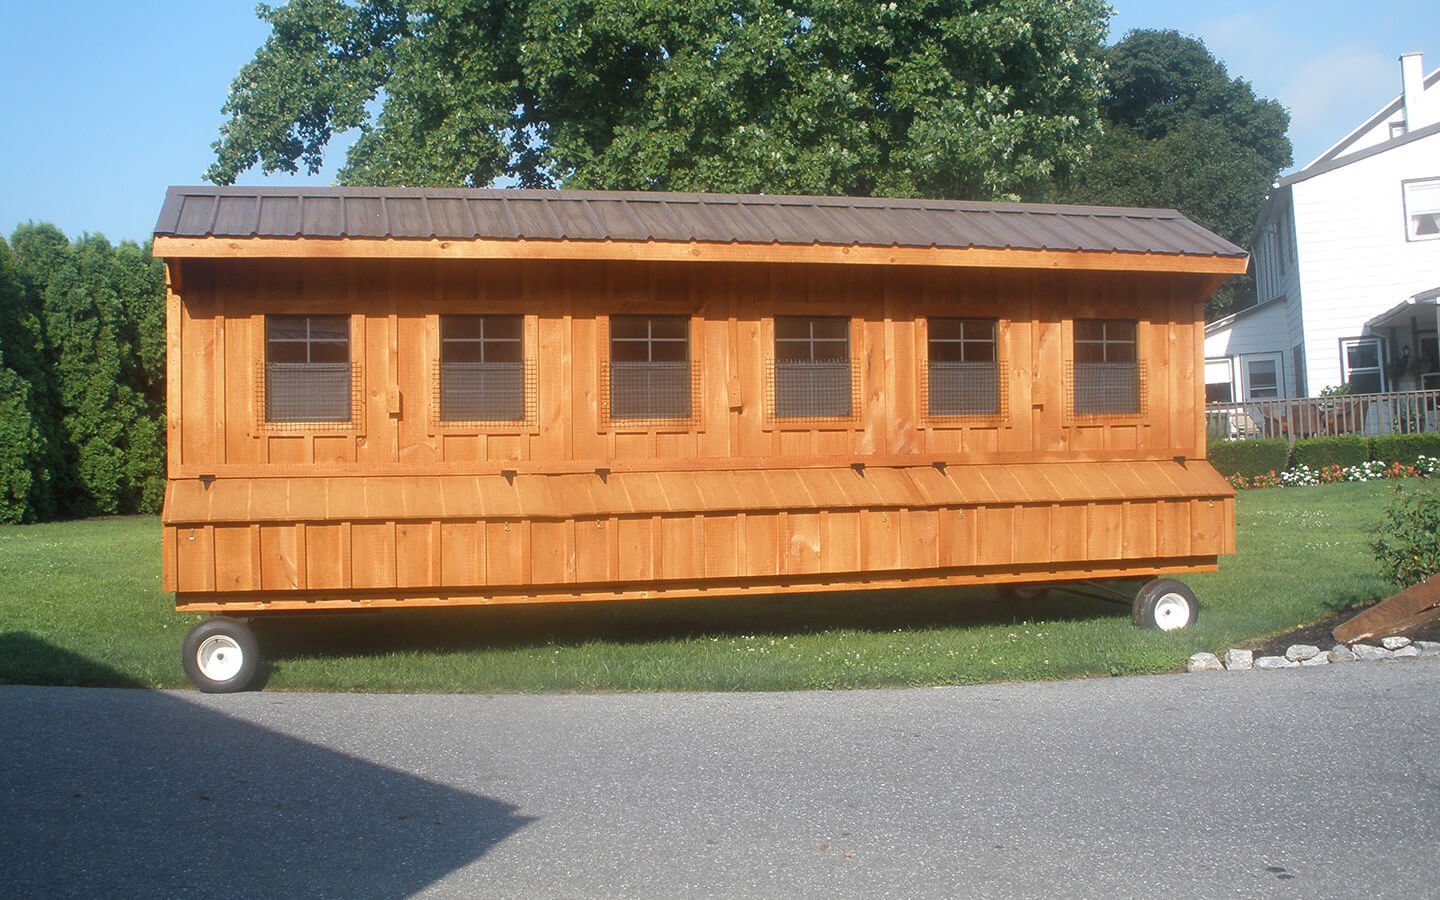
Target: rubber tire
x,y
244,640
1148,600
1029,593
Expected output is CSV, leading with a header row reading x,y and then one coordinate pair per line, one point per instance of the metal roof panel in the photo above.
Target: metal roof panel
x,y
466,214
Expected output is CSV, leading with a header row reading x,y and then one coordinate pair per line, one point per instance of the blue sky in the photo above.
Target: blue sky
x,y
104,104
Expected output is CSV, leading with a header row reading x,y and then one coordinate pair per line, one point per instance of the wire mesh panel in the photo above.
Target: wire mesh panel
x,y
1107,389
307,394
818,389
650,390
963,389
483,392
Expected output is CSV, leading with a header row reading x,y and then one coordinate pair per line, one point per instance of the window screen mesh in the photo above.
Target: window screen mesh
x,y
1107,389
501,392
309,395
650,390
818,389
963,389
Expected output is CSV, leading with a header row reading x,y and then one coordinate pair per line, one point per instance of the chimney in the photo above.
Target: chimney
x,y
1420,109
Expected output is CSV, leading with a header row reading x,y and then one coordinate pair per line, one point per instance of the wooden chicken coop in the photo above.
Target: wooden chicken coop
x,y
417,398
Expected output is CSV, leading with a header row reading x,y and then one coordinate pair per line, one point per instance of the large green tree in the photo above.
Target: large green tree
x,y
1181,132
942,98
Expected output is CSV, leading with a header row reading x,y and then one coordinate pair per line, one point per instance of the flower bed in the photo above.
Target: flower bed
x,y
1302,475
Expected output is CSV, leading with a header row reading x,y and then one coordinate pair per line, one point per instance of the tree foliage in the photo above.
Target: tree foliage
x,y
943,98
82,382
1181,132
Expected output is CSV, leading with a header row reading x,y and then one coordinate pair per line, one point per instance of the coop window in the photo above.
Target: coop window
x,y
813,378
308,375
963,374
650,368
1422,209
482,369
1106,379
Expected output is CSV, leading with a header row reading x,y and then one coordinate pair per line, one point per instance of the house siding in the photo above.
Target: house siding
x,y
1353,251
1252,333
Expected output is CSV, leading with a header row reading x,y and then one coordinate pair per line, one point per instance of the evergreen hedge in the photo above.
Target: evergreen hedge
x,y
1249,458
82,381
1319,452
1404,448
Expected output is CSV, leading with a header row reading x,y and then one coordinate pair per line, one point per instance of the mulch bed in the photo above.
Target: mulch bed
x,y
1318,635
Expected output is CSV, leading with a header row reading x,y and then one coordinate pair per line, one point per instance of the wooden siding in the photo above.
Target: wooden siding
x,y
312,564
398,508
394,308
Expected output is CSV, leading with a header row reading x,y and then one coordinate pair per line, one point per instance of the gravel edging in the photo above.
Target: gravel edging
x,y
1307,655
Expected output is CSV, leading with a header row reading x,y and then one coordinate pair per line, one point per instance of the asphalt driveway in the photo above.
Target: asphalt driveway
x,y
1301,782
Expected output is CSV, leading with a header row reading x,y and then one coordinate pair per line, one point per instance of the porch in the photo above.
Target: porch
x,y
1394,412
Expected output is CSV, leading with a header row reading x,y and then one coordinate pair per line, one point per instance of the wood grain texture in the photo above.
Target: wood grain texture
x,y
395,508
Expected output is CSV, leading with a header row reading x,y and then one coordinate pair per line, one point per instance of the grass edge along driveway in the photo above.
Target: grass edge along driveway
x,y
80,603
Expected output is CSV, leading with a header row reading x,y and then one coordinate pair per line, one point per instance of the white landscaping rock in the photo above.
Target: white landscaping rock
x,y
1320,660
1302,652
1276,662
1368,652
1245,659
1341,654
1406,653
1394,643
1204,662
1428,648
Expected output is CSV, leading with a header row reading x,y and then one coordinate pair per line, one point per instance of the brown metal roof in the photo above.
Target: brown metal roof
x,y
509,215
346,498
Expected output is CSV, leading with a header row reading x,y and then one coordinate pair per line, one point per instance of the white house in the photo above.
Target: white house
x,y
1347,264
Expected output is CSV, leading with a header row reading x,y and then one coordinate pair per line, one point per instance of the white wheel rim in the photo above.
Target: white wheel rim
x,y
220,658
1172,611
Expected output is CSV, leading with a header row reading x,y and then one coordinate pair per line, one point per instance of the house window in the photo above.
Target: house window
x,y
1106,378
1218,381
1262,377
813,379
650,368
482,369
1360,358
963,375
1422,210
308,376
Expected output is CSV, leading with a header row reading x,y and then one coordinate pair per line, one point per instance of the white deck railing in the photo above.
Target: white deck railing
x,y
1401,412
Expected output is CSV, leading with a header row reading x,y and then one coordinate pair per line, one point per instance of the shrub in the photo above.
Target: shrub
x,y
1319,452
1408,548
1249,458
1404,448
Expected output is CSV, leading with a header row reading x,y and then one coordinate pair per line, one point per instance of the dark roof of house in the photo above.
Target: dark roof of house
x,y
1320,167
542,215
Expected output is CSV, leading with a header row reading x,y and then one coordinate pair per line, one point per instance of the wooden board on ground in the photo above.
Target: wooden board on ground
x,y
1404,613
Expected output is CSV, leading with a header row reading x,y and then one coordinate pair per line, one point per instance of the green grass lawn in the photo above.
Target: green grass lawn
x,y
80,603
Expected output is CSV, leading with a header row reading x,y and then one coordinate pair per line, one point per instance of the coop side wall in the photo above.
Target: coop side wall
x,y
409,553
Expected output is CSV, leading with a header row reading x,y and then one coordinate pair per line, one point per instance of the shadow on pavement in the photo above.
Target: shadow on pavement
x,y
134,793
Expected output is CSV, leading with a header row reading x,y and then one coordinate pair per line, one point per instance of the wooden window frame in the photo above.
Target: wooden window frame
x,y
609,423
1072,343
933,420
528,423
263,377
855,337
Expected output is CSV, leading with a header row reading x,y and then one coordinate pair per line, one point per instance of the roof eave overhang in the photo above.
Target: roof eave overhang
x,y
171,247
